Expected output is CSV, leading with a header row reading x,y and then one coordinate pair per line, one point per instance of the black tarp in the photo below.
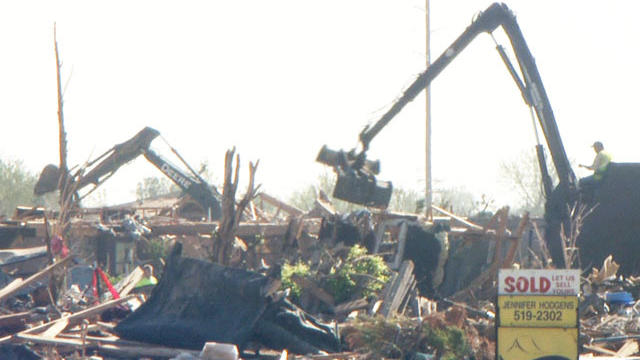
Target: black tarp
x,y
197,301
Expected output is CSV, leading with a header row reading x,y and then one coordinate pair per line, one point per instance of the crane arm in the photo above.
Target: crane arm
x,y
533,92
197,188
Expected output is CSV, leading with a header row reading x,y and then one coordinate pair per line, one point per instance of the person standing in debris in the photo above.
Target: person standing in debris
x,y
599,166
148,278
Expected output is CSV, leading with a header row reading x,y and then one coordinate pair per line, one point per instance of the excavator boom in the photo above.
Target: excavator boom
x,y
533,93
100,169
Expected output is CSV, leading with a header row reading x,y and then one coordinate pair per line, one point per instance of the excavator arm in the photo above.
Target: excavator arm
x,y
100,169
533,93
194,185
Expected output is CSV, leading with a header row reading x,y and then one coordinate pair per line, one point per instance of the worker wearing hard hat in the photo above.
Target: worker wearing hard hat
x,y
599,166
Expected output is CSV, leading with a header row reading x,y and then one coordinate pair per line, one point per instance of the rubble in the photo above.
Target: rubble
x,y
444,307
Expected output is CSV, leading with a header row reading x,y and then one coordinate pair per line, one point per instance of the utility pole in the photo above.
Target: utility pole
x,y
428,193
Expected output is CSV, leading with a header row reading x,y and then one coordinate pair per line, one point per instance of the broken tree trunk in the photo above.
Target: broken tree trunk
x,y
224,238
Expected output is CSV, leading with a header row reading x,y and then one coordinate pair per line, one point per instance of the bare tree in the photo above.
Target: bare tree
x,y
224,237
522,173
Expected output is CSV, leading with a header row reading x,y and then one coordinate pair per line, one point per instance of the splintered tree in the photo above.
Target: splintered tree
x,y
224,237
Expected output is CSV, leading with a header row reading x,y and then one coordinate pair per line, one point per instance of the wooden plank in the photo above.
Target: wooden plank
x,y
280,204
349,306
128,283
409,294
462,221
143,351
314,289
14,319
380,230
599,349
508,260
402,239
108,347
56,328
629,348
322,208
336,356
244,229
74,318
398,289
39,339
14,286
500,234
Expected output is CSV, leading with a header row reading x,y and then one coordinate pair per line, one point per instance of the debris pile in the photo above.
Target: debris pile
x,y
315,284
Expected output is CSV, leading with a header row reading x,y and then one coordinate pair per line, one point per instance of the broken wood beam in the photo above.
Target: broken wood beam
x,y
144,351
313,289
322,208
402,239
110,347
462,221
292,210
336,356
74,318
244,229
627,349
508,260
397,289
500,234
128,283
349,306
14,319
16,285
599,349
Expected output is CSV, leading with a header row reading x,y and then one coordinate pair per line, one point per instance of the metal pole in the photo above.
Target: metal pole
x,y
428,192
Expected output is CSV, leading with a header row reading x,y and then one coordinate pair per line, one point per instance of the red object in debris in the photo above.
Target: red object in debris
x,y
58,246
105,279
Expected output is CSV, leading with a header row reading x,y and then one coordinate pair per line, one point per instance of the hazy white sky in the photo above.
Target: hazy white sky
x,y
278,79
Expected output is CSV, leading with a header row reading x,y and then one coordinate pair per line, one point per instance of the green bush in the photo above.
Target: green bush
x,y
361,275
288,271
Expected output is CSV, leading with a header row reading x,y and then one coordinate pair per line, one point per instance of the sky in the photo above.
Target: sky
x,y
279,79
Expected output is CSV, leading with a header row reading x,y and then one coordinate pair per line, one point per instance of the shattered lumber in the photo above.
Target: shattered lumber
x,y
462,221
244,229
75,318
116,347
397,289
18,284
124,286
314,289
292,210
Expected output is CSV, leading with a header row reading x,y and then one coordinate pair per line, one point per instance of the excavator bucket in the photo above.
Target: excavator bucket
x,y
110,161
356,182
363,189
48,180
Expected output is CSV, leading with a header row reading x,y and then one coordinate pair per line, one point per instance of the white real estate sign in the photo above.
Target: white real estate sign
x,y
539,282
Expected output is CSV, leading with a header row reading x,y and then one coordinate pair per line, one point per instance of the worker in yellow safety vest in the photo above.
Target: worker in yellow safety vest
x,y
599,166
149,279
600,162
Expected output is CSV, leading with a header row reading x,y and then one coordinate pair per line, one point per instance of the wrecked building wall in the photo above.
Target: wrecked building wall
x,y
612,228
424,249
466,261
